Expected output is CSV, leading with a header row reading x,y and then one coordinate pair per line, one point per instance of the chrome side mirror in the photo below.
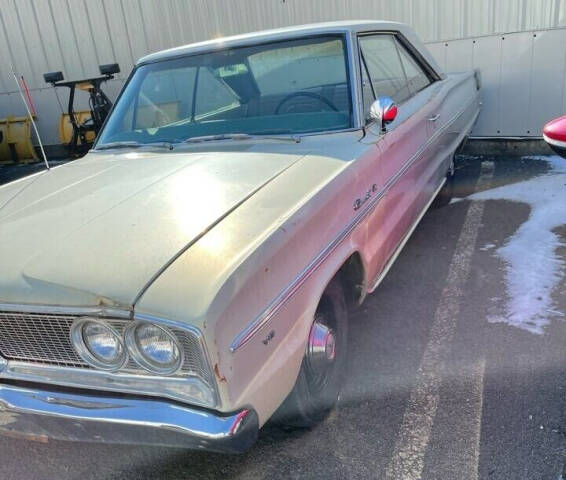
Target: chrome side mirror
x,y
383,111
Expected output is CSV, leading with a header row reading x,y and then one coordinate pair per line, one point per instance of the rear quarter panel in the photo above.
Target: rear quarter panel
x,y
457,103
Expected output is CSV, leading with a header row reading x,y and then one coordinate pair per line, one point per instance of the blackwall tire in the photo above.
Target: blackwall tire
x,y
447,191
320,379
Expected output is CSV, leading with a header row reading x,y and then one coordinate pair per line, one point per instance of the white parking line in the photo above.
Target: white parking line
x,y
475,405
407,461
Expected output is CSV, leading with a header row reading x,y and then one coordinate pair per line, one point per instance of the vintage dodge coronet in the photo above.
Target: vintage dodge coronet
x,y
191,277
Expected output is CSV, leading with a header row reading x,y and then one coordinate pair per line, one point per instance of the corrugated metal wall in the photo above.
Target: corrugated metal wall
x,y
75,36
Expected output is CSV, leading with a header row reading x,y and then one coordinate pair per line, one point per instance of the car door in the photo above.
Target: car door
x,y
402,144
428,169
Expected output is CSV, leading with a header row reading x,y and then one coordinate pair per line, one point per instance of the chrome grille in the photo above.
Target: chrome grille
x,y
45,339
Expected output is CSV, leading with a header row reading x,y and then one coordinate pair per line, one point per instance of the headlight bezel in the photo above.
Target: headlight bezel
x,y
80,345
175,386
136,353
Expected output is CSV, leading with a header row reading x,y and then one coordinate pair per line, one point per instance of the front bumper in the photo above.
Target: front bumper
x,y
42,415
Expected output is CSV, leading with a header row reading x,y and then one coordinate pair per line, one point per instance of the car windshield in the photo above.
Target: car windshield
x,y
288,87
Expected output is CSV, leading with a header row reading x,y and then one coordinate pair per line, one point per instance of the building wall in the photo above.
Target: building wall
x,y
75,36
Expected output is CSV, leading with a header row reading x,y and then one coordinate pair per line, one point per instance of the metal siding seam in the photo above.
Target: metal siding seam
x,y
121,3
530,101
108,28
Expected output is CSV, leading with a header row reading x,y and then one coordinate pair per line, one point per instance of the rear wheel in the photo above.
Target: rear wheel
x,y
320,378
447,191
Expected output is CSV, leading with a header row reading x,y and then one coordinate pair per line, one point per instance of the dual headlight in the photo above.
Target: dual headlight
x,y
152,347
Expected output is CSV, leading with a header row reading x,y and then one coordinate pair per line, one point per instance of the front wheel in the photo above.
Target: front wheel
x,y
320,378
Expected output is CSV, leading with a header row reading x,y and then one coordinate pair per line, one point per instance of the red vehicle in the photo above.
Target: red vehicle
x,y
554,133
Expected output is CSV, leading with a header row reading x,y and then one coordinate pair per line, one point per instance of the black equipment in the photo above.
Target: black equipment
x,y
99,104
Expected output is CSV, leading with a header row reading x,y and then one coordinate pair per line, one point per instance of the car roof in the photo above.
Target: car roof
x,y
270,35
297,31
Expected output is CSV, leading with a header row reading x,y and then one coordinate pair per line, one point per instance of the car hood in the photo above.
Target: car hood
x,y
96,231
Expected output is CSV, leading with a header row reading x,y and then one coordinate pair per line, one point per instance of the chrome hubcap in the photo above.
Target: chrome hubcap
x,y
321,350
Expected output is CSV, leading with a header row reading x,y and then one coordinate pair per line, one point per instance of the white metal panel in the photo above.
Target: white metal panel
x,y
515,83
483,53
507,15
97,23
135,28
70,46
32,40
155,37
460,55
449,22
44,100
85,40
487,58
547,80
49,43
17,54
6,82
438,51
119,33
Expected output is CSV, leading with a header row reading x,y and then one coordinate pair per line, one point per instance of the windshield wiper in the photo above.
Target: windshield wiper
x,y
241,136
133,144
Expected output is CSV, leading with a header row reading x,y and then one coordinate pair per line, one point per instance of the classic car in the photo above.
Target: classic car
x,y
191,276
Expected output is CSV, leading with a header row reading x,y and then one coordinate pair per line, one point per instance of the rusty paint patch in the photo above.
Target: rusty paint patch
x,y
221,378
25,436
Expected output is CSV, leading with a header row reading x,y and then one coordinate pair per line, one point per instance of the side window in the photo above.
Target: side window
x,y
416,76
384,65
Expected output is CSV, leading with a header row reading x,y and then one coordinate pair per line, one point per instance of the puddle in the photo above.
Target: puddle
x,y
533,267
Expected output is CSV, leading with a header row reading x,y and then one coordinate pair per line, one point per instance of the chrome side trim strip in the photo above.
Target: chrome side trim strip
x,y
264,317
280,300
105,312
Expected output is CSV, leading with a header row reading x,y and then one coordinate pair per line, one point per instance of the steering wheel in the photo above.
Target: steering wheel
x,y
316,96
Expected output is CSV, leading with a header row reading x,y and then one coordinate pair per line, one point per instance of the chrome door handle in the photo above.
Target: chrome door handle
x,y
434,118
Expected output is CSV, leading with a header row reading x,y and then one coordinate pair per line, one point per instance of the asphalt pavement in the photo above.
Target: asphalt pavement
x,y
435,390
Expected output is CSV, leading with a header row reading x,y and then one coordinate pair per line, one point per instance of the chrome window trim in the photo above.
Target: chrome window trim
x,y
265,316
349,38
352,52
400,42
410,49
330,132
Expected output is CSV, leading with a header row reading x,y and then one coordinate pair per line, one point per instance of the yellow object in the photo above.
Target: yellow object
x,y
66,127
16,140
86,86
